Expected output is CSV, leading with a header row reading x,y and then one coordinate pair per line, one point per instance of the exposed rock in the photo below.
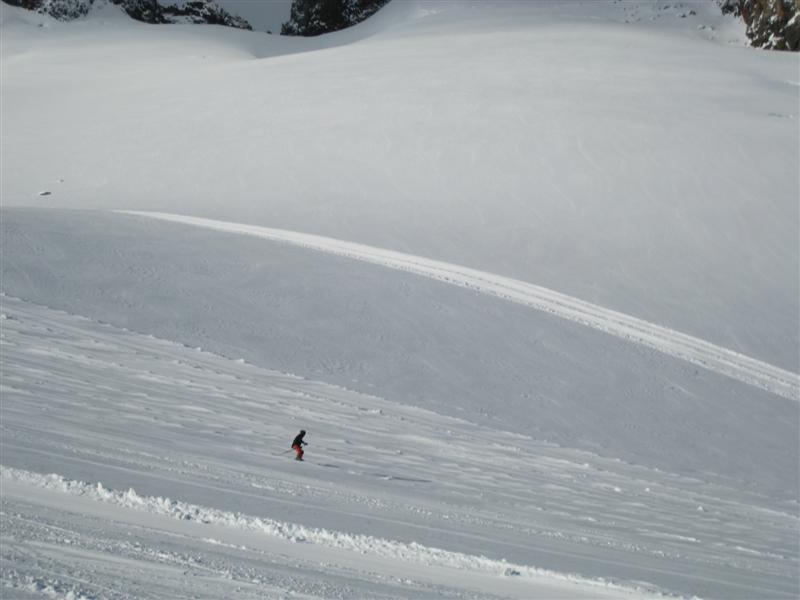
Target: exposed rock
x,y
771,24
313,17
148,11
63,10
204,11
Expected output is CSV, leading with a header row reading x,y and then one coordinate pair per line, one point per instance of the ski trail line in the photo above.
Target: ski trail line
x,y
667,341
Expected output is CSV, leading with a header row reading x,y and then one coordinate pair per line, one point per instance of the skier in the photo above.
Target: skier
x,y
298,443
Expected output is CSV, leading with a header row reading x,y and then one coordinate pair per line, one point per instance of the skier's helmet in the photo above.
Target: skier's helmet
x,y
302,432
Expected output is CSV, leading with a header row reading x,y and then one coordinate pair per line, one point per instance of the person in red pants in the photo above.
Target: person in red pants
x,y
298,443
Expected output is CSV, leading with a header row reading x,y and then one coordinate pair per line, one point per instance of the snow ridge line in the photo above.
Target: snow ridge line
x,y
413,552
667,341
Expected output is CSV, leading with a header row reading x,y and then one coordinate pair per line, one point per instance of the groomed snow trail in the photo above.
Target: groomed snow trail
x,y
668,341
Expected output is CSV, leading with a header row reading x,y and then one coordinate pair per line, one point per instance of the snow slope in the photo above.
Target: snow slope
x,y
584,147
385,485
411,339
672,343
627,166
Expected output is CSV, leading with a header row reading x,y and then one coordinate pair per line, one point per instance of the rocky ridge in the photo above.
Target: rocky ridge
x,y
147,11
771,24
314,17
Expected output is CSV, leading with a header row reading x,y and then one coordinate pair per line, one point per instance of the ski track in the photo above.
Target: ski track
x,y
667,341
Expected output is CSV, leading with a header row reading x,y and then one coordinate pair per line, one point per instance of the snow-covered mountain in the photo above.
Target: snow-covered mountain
x,y
771,24
527,273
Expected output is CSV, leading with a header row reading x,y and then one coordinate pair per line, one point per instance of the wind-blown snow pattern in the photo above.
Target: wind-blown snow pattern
x,y
673,343
526,272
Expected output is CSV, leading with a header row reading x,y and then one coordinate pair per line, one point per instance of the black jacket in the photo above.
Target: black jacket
x,y
298,441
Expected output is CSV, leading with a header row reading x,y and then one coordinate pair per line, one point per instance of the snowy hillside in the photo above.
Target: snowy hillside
x,y
528,274
388,485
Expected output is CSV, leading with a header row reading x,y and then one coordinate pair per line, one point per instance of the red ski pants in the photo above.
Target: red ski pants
x,y
297,448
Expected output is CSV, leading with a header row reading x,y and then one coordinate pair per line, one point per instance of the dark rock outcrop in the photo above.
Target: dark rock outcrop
x,y
313,17
204,11
63,10
148,11
771,24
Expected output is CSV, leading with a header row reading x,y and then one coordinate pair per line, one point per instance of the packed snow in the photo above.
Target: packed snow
x,y
528,273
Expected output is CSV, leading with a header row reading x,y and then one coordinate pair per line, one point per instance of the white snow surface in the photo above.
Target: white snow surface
x,y
609,151
393,501
360,544
627,166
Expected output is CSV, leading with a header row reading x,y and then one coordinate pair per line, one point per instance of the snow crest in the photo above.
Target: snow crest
x,y
413,552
